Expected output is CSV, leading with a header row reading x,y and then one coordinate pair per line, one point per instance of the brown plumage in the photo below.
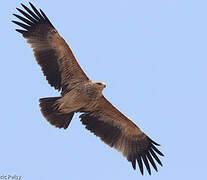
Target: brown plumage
x,y
80,94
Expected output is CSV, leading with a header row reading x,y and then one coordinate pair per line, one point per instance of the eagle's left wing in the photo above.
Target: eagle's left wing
x,y
118,131
51,52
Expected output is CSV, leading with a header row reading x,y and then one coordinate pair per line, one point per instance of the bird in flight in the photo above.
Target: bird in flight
x,y
80,94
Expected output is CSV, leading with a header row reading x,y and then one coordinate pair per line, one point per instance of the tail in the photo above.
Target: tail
x,y
49,109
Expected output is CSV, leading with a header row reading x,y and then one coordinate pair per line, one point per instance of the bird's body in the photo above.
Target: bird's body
x,y
84,96
80,94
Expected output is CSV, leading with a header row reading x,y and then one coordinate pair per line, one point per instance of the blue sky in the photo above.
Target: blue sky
x,y
153,57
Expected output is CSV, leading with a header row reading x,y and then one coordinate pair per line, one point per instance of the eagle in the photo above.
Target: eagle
x,y
80,94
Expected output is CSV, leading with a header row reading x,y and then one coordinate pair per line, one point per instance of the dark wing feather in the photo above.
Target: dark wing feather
x,y
51,51
116,130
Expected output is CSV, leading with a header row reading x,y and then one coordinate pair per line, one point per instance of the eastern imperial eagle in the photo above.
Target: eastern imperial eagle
x,y
80,94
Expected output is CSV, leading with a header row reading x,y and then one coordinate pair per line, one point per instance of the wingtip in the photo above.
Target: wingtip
x,y
21,31
144,158
156,169
155,157
44,15
153,142
149,157
160,163
23,5
15,22
134,164
139,160
30,3
41,11
157,151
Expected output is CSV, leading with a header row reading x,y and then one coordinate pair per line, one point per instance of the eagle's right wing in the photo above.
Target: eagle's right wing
x,y
50,50
119,132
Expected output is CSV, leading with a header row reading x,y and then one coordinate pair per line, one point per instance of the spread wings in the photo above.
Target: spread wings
x,y
50,50
63,73
116,130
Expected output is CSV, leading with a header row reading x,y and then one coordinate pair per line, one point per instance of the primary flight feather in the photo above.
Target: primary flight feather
x,y
80,94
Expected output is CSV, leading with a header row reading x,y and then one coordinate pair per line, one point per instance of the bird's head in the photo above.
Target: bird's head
x,y
100,85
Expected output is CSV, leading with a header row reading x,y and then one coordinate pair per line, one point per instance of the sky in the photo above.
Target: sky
x,y
152,55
